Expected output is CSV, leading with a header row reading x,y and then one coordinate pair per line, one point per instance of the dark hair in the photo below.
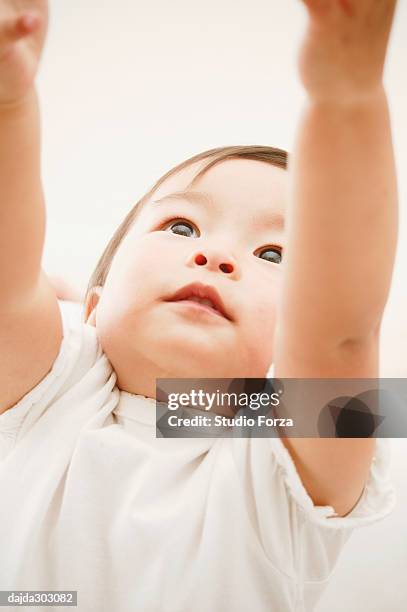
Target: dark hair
x,y
270,155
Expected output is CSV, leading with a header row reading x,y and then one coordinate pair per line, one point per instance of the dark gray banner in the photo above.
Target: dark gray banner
x,y
284,407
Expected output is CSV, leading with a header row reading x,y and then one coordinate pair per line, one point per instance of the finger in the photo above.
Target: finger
x,y
324,8
28,22
13,29
347,7
318,5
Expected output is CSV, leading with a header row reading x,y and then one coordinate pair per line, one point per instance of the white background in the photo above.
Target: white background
x,y
129,89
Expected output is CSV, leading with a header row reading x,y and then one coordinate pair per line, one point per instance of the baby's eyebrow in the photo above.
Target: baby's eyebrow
x,y
271,219
195,197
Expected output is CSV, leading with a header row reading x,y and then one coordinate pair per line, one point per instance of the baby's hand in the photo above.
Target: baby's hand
x,y
343,54
23,25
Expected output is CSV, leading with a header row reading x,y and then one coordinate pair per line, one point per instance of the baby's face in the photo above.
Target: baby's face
x,y
231,243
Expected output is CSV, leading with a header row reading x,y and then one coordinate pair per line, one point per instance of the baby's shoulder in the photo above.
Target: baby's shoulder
x,y
76,377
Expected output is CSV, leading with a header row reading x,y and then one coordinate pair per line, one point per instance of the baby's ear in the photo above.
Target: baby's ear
x,y
92,300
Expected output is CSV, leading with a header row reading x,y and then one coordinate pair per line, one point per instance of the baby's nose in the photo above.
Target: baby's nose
x,y
215,260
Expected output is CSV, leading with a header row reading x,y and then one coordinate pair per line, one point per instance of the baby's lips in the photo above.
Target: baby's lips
x,y
202,291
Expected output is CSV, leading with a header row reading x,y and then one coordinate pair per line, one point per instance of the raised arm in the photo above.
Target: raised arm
x,y
342,227
30,327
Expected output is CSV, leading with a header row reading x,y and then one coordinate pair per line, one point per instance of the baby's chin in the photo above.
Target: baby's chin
x,y
181,349
189,361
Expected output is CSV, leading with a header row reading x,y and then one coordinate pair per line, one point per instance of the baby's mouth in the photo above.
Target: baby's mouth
x,y
204,303
205,296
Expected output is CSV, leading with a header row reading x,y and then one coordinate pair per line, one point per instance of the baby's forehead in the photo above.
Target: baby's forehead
x,y
246,182
181,180
243,194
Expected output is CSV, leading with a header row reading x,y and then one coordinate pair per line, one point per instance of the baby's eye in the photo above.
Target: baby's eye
x,y
272,254
181,227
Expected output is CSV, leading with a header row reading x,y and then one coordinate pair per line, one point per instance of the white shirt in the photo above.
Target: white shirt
x,y
92,501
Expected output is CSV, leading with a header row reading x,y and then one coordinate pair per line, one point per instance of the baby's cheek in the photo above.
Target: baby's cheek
x,y
153,254
265,325
258,342
264,314
263,347
132,267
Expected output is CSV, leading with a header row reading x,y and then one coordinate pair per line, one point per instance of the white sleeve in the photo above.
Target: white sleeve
x,y
376,502
299,538
20,417
321,535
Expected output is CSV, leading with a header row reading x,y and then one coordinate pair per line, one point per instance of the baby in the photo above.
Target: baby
x,y
229,264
